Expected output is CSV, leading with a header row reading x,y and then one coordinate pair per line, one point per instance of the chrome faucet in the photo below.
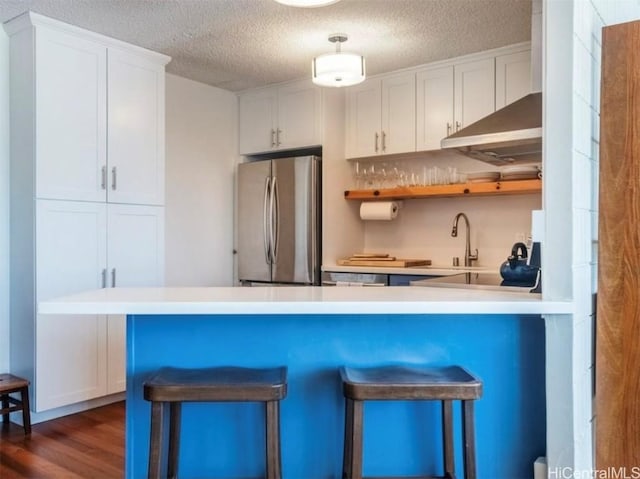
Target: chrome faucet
x,y
468,257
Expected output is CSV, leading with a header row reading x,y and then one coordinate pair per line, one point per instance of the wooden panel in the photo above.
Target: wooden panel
x,y
618,314
441,191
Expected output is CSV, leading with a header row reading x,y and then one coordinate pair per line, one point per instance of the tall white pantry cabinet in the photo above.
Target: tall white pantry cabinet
x,y
87,199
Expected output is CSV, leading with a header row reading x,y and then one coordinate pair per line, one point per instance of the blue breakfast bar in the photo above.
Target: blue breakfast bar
x,y
498,336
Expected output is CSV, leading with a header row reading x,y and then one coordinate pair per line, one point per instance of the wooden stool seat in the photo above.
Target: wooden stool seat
x,y
13,384
220,384
390,383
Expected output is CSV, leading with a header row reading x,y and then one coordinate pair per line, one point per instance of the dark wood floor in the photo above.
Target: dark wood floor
x,y
85,445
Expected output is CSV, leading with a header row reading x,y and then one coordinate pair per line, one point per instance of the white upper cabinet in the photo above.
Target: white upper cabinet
x,y
474,91
299,116
381,116
398,114
135,129
434,98
258,118
98,113
280,118
70,117
364,119
513,77
452,97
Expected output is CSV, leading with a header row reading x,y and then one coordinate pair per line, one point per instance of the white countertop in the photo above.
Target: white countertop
x,y
301,300
417,270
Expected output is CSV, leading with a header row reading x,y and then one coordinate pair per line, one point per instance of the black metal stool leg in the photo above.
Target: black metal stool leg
x,y
26,411
175,409
447,439
155,446
469,440
274,461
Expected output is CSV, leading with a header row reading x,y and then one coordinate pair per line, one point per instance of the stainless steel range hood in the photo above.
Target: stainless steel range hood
x,y
511,134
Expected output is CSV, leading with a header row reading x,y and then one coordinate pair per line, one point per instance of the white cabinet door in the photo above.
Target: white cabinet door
x,y
434,116
116,353
136,130
299,115
513,77
135,251
364,118
474,91
398,133
258,117
70,257
70,107
135,248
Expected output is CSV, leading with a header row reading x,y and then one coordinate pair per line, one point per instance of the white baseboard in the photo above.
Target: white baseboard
x,y
37,417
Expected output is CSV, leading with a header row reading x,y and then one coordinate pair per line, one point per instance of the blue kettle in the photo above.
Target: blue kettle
x,y
516,271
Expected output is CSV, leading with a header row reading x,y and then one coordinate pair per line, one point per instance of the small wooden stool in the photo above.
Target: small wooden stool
x,y
410,383
12,384
228,384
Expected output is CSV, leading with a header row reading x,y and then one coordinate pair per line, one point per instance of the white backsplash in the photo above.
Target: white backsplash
x,y
423,228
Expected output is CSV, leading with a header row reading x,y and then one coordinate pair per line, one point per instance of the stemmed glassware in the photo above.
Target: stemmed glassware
x,y
397,174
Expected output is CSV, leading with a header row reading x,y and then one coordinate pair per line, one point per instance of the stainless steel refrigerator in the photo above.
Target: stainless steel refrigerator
x,y
279,237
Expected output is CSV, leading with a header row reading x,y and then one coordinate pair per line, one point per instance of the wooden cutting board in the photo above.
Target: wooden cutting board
x,y
397,263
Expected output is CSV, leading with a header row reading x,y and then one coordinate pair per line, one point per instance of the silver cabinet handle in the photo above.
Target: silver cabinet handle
x,y
376,142
103,179
265,216
273,138
278,131
113,278
448,128
458,125
113,178
384,141
104,277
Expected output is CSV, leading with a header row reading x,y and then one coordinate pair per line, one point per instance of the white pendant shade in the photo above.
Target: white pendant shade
x,y
307,3
338,69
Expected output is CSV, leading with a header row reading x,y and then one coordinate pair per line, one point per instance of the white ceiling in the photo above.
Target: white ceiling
x,y
240,44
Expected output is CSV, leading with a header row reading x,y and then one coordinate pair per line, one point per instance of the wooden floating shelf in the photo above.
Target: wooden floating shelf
x,y
511,187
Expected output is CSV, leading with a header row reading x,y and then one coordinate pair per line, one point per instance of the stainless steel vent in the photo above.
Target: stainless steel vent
x,y
511,134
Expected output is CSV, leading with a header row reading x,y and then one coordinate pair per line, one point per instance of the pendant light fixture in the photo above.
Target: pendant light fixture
x,y
307,3
338,69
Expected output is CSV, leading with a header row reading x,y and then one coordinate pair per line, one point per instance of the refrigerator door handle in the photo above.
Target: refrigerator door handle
x,y
266,218
274,208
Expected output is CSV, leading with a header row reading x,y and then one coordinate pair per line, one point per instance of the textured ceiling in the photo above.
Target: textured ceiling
x,y
239,44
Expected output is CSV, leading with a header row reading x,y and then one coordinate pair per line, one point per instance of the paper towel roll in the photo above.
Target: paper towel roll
x,y
378,210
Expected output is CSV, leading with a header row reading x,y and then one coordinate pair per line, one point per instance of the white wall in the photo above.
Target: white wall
x,y
423,228
201,153
4,201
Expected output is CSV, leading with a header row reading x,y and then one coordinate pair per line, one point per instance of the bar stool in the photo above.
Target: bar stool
x,y
13,384
219,384
390,383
